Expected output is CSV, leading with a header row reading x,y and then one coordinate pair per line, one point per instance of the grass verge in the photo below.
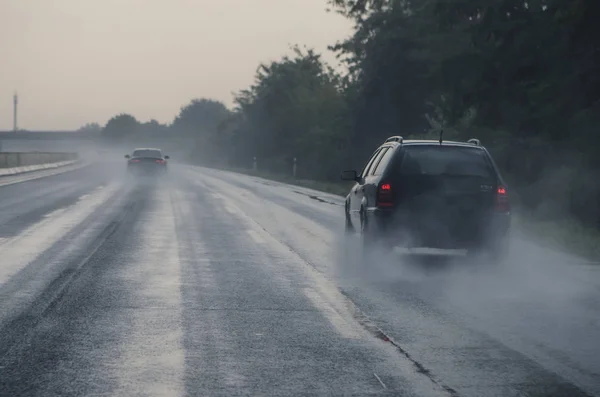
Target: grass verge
x,y
560,235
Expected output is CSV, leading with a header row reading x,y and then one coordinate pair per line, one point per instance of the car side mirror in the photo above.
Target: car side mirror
x,y
167,157
349,176
127,156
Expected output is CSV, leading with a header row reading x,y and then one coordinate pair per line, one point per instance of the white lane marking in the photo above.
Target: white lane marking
x,y
151,359
17,252
255,236
342,326
88,195
200,258
230,209
380,381
55,213
200,184
234,210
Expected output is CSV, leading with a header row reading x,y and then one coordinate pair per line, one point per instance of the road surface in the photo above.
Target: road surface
x,y
213,283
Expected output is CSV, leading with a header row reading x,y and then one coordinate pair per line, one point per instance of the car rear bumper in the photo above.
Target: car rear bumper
x,y
410,232
146,170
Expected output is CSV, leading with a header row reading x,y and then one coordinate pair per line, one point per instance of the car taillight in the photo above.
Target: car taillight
x,y
160,161
502,202
384,195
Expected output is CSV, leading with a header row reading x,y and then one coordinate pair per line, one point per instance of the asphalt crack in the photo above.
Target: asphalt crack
x,y
378,333
317,198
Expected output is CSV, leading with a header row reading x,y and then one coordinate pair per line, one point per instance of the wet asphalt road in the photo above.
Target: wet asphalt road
x,y
212,283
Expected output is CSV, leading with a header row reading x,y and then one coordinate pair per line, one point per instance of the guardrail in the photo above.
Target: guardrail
x,y
21,159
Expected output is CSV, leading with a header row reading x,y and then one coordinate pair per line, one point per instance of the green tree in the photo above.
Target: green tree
x,y
119,127
391,90
196,130
200,116
90,128
154,129
295,108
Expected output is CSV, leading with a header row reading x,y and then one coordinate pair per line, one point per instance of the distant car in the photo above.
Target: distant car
x,y
147,161
430,194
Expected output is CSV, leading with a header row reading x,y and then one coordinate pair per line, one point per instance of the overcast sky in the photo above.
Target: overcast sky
x,y
79,61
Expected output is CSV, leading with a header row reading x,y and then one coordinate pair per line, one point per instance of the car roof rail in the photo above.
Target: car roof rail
x,y
474,141
396,138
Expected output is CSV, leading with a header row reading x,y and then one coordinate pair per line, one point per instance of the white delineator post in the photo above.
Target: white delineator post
x,y
294,168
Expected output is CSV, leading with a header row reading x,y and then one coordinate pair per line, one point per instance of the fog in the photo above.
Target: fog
x,y
75,62
538,301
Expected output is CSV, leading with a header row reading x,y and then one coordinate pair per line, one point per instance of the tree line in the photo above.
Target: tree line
x,y
520,76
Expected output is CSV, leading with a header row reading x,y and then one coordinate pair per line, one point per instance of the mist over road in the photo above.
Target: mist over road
x,y
214,283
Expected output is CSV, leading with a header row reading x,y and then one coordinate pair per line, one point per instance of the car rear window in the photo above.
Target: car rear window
x,y
445,160
147,153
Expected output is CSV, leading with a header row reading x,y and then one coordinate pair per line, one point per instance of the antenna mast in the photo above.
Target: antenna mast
x,y
15,111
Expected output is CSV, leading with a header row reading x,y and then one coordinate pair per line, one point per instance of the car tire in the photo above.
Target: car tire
x,y
348,227
365,232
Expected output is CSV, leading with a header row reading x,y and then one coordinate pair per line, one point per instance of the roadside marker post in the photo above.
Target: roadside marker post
x,y
294,168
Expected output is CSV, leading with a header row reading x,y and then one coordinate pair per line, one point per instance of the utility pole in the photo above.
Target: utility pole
x,y
16,104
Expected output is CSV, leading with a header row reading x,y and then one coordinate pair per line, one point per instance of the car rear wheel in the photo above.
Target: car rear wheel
x,y
374,245
365,232
348,227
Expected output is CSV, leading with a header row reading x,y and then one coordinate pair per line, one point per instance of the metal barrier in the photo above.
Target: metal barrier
x,y
21,159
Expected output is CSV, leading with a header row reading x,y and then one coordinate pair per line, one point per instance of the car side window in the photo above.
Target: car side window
x,y
383,161
376,160
365,170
